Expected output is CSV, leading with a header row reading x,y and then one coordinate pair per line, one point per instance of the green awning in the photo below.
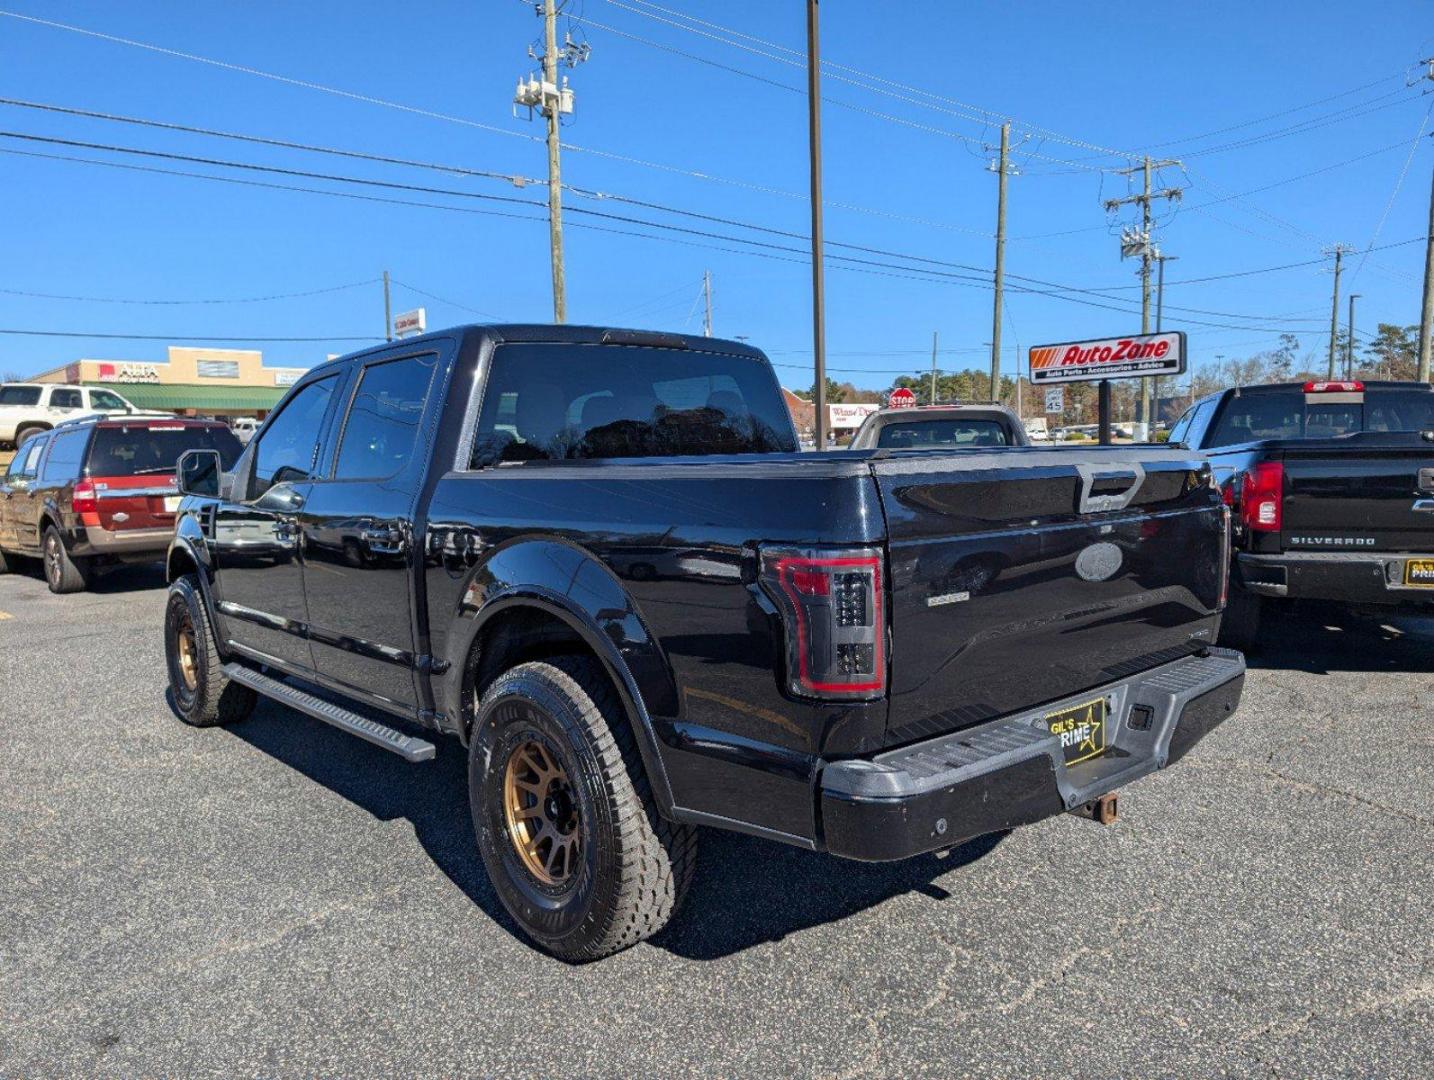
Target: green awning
x,y
174,397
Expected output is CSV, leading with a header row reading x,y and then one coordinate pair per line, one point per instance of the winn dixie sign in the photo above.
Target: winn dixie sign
x,y
1109,358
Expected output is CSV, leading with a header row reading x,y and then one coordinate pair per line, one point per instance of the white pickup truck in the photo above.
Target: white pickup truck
x,y
29,408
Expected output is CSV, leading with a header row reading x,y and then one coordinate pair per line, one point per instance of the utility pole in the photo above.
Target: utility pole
x,y
1002,171
814,140
1349,338
1137,242
553,102
1019,413
1161,260
387,310
1338,251
1426,314
707,298
933,366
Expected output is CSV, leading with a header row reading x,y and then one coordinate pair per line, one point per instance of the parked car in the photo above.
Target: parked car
x,y
96,492
244,428
598,560
940,427
1332,484
27,409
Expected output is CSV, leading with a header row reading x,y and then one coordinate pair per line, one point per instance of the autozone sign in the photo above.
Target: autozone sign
x,y
1109,358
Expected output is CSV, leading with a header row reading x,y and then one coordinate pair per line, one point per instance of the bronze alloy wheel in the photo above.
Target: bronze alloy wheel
x,y
541,812
187,651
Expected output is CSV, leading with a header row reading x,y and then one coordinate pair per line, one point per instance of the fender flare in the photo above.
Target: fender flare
x,y
594,606
193,549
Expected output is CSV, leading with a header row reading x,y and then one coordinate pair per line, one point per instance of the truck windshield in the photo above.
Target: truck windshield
x,y
1293,414
19,395
949,433
141,449
567,401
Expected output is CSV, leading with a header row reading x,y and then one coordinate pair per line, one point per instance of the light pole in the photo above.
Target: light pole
x,y
1349,339
1161,260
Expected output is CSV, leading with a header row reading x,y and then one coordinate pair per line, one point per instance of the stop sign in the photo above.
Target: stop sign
x,y
901,398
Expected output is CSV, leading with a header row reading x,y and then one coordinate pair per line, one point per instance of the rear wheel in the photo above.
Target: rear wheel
x,y
203,694
25,431
62,573
566,821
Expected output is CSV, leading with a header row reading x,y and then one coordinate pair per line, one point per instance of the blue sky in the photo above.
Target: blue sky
x,y
1077,80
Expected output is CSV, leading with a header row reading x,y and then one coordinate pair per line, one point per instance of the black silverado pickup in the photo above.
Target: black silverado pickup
x,y
596,558
1332,486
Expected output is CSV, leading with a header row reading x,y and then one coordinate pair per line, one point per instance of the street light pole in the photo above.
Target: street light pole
x,y
1349,338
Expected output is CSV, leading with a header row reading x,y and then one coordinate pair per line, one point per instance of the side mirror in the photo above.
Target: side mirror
x,y
199,472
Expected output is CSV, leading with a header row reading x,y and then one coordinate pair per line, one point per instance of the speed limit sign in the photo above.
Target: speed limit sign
x,y
1055,399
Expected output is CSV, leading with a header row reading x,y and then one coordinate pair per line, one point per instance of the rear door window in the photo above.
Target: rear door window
x,y
567,402
66,399
31,452
154,449
67,450
382,426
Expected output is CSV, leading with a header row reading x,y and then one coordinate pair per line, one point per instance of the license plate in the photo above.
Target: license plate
x,y
1081,730
171,503
1419,573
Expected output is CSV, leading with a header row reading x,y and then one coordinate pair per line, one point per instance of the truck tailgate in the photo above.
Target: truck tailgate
x,y
1024,576
1366,492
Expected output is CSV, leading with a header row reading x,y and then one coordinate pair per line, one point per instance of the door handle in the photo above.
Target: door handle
x,y
382,541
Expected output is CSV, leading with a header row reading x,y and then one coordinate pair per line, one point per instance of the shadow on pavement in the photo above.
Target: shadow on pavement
x,y
747,891
1320,638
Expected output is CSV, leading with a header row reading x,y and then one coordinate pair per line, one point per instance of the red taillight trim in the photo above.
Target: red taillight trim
x,y
804,679
1263,485
82,499
1334,386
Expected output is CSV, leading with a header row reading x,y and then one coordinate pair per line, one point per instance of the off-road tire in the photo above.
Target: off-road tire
x,y
27,431
62,573
212,699
635,865
1240,625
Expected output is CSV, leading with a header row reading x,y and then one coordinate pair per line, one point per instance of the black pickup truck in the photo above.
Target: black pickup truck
x,y
1332,485
597,559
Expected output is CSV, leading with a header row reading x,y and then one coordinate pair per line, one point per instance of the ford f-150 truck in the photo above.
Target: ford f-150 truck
x,y
597,559
1332,484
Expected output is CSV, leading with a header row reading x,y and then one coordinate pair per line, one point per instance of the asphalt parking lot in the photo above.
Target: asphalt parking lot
x,y
278,898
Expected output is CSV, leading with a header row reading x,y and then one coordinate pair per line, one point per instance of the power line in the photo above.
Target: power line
x,y
1398,183
180,337
178,303
445,300
980,280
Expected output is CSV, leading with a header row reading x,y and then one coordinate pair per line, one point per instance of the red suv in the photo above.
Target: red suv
x,y
98,491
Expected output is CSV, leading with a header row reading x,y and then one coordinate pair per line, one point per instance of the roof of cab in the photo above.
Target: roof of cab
x,y
565,334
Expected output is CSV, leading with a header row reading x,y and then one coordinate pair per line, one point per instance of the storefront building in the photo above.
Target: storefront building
x,y
192,382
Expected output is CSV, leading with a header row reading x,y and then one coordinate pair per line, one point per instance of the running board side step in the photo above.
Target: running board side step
x,y
405,746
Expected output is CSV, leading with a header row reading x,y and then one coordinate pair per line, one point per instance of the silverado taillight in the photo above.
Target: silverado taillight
x,y
83,500
834,619
1262,497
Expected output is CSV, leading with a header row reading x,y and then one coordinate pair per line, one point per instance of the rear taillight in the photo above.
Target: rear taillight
x,y
834,617
83,500
1262,497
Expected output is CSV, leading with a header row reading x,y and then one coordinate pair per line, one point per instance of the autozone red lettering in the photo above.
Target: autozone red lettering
x,y
1122,348
1072,356
1161,348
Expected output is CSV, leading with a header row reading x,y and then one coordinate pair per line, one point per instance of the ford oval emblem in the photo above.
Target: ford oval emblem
x,y
1098,562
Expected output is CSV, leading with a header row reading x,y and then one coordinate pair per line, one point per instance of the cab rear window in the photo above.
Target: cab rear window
x,y
140,450
1293,414
924,434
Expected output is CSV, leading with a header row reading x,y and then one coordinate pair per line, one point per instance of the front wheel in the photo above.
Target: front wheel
x,y
565,818
62,573
203,695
